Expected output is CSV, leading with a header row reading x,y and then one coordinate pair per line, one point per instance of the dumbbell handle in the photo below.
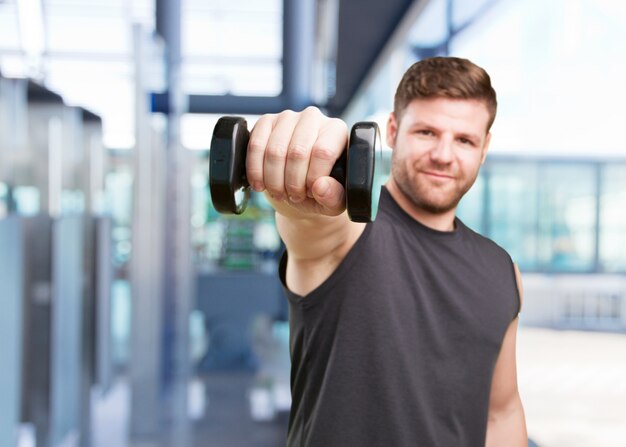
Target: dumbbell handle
x,y
230,188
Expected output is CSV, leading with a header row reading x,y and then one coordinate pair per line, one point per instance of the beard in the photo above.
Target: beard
x,y
429,196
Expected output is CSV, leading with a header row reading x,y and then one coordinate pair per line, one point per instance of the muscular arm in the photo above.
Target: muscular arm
x,y
290,156
507,423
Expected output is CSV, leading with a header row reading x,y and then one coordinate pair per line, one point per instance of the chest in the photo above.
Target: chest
x,y
454,299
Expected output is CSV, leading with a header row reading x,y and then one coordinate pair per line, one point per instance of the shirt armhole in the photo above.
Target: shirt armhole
x,y
282,275
518,287
336,275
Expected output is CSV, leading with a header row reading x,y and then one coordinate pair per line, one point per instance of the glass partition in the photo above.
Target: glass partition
x,y
612,235
561,216
512,210
567,217
471,209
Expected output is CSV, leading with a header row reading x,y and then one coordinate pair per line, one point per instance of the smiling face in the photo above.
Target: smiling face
x,y
438,147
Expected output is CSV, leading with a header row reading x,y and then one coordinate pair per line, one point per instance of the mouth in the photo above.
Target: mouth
x,y
438,175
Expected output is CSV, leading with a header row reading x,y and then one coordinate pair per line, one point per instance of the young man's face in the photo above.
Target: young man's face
x,y
438,147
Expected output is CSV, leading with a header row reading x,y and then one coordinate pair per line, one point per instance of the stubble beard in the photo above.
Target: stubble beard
x,y
427,197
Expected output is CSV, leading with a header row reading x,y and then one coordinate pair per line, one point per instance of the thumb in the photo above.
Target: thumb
x,y
330,195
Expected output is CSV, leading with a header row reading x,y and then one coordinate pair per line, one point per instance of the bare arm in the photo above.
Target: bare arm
x,y
289,157
507,423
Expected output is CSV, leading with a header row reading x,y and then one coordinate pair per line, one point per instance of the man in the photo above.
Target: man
x,y
402,330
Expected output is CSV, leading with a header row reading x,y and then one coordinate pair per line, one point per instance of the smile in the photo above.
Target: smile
x,y
438,175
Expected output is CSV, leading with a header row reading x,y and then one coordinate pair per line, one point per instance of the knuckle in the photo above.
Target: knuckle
x,y
276,152
254,174
273,186
293,186
323,153
274,189
298,152
256,145
312,110
286,114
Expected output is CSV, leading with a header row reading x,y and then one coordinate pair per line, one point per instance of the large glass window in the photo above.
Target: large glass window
x,y
232,47
471,209
512,210
613,219
551,216
567,217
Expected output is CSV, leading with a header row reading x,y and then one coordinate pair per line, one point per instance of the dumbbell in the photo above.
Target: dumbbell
x,y
355,169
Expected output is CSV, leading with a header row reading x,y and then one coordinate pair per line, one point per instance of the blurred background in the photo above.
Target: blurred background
x,y
134,315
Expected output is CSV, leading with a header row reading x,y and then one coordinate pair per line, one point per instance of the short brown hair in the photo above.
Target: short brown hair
x,y
445,77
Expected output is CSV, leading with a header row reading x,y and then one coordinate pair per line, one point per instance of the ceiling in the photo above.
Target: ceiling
x,y
232,53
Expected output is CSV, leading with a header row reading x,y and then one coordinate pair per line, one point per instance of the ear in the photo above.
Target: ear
x,y
392,130
485,148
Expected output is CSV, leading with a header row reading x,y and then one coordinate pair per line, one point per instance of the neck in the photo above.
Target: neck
x,y
436,221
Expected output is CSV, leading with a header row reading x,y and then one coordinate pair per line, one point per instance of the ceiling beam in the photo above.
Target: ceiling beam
x,y
365,28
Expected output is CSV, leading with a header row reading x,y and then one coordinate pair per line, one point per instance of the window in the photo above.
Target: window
x,y
232,47
512,210
471,209
552,216
612,250
567,217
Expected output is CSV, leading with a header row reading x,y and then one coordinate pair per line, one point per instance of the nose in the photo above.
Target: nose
x,y
442,151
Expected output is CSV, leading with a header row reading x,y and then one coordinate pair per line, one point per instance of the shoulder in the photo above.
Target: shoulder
x,y
496,259
484,243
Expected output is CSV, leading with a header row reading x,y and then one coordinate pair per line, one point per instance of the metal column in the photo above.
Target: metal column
x,y
298,52
177,268
299,25
147,223
11,292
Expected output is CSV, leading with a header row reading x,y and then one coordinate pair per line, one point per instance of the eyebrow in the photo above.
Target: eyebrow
x,y
469,136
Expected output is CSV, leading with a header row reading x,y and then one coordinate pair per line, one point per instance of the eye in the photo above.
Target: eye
x,y
425,132
466,141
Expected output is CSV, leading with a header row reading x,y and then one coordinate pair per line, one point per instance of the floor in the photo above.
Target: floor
x,y
573,386
227,421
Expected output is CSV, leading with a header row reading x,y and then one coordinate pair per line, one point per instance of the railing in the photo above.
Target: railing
x,y
583,302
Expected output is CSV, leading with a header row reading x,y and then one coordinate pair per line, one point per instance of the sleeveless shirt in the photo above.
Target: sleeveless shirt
x,y
397,347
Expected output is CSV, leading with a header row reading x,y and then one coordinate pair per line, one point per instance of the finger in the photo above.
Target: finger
x,y
330,144
259,137
299,153
276,154
330,195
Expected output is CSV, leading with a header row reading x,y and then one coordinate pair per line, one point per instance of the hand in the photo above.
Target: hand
x,y
290,156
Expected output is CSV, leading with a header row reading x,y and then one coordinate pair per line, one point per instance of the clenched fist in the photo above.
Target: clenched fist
x,y
290,156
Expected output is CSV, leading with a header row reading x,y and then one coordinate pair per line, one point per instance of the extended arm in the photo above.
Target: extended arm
x,y
507,423
290,156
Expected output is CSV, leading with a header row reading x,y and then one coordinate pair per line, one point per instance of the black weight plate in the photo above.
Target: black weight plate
x,y
229,186
364,141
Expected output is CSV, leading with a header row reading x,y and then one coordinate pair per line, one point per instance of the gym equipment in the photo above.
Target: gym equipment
x,y
356,169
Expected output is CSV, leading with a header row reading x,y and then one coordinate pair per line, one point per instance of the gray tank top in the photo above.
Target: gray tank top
x,y
398,346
